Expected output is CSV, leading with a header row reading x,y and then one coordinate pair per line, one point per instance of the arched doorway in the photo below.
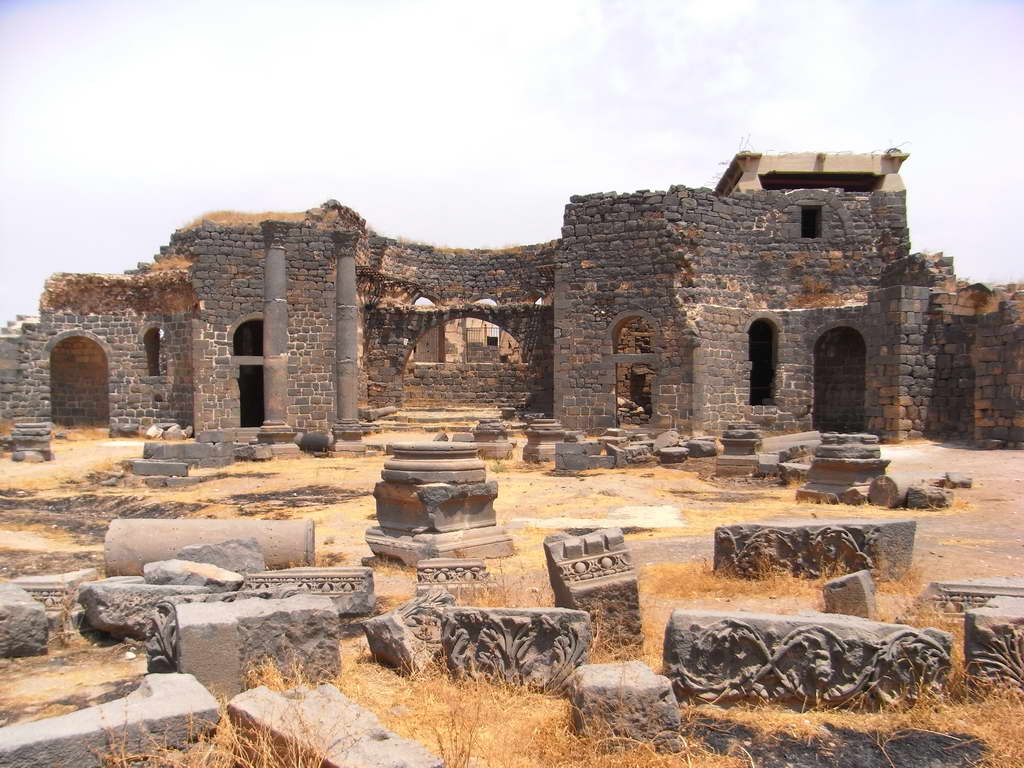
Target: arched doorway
x,y
761,354
840,370
247,343
465,362
79,383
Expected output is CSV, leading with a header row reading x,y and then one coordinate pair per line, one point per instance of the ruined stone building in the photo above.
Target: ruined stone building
x,y
786,296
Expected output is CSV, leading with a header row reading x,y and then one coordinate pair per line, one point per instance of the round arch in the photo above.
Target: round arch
x,y
79,379
840,380
246,336
622,319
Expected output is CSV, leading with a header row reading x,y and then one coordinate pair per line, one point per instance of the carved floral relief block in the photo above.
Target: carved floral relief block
x,y
534,647
994,642
350,588
802,660
459,575
409,637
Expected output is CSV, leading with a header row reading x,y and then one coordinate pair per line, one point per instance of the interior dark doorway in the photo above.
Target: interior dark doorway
x,y
761,353
634,386
250,395
840,371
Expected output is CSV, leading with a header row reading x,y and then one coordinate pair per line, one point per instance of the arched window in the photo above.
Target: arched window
x,y
634,337
151,341
761,354
248,339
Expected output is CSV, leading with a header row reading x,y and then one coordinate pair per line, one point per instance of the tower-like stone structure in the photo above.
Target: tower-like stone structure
x,y
434,500
275,429
348,434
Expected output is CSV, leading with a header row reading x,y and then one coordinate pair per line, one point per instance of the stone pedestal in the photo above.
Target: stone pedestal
x,y
842,469
30,441
740,445
491,437
542,435
434,500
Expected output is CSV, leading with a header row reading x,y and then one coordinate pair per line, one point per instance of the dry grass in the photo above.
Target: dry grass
x,y
242,218
167,264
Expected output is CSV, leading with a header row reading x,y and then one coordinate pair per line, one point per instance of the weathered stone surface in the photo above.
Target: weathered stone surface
x,y
667,439
122,606
842,462
24,629
409,637
994,642
187,572
238,555
349,588
130,543
958,480
811,547
960,596
676,455
57,592
165,711
159,467
792,473
624,700
702,448
535,647
462,577
852,595
321,724
928,497
220,642
804,660
594,573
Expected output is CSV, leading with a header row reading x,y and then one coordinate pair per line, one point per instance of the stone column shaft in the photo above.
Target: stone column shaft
x,y
348,434
275,428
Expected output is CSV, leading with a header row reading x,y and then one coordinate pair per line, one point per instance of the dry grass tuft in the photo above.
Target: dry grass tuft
x,y
167,264
242,218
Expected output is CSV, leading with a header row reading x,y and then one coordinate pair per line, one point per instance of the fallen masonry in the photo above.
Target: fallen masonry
x,y
534,647
349,588
994,642
58,593
165,711
242,555
852,595
805,660
595,573
463,577
24,628
408,638
221,643
804,548
196,574
321,725
121,606
131,543
960,596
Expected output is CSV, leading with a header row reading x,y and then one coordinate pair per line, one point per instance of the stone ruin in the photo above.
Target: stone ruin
x,y
30,441
842,469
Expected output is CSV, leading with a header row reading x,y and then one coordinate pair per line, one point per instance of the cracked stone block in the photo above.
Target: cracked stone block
x,y
165,711
625,700
534,647
595,573
994,642
122,606
350,588
409,637
239,555
852,595
812,547
321,724
220,642
215,578
24,628
928,497
803,660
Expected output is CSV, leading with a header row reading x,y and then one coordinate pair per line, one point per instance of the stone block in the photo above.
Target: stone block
x,y
852,595
994,642
24,628
350,588
676,455
220,642
165,711
408,638
320,724
253,453
792,473
803,660
928,497
243,555
667,439
534,647
123,606
702,449
462,577
594,573
625,700
812,547
159,467
958,480
960,596
186,572
57,592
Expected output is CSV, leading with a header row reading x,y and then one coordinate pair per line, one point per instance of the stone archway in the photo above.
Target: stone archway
x,y
79,382
840,381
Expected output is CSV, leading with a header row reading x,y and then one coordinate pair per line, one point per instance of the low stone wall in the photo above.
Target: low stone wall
x,y
445,384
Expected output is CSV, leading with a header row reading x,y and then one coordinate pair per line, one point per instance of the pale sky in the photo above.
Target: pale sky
x,y
471,123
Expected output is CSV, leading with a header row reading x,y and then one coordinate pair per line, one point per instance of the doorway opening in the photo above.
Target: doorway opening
x,y
79,383
761,354
840,371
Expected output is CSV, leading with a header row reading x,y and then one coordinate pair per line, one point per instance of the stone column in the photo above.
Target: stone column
x,y
275,429
348,435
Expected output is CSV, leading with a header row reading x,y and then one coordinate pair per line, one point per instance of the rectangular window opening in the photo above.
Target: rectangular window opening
x,y
810,221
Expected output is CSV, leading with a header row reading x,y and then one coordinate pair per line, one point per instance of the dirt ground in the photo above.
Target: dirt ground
x,y
53,517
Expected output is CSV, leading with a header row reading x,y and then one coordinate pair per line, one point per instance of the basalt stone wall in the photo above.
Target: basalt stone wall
x,y
391,334
951,410
620,260
466,384
511,275
81,369
999,375
746,250
10,375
